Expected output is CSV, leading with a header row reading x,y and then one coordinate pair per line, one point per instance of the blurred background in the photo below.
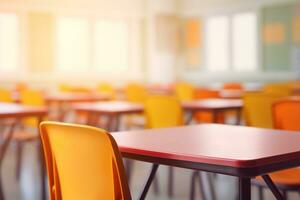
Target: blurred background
x,y
82,42
95,50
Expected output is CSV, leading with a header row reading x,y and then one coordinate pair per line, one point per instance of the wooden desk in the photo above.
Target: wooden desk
x,y
215,106
63,99
112,109
16,111
244,152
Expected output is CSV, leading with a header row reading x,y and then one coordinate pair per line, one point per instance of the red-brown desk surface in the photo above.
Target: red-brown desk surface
x,y
123,106
212,144
112,107
75,97
10,110
213,104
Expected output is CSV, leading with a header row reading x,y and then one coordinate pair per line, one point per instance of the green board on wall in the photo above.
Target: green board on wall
x,y
276,37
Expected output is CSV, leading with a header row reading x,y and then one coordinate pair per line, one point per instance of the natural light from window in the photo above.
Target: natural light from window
x,y
217,34
111,46
9,40
244,38
73,45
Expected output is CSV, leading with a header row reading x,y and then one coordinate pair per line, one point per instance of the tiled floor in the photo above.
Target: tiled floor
x,y
28,187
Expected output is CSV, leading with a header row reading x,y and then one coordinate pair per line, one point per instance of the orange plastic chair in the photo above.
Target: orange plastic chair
x,y
108,89
207,117
233,86
30,98
136,93
163,112
284,89
92,171
5,96
184,91
286,115
258,109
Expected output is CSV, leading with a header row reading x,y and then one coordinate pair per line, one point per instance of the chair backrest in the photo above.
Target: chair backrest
x,y
31,97
286,114
5,96
184,91
135,93
163,111
108,89
258,109
207,117
205,93
82,163
232,86
278,88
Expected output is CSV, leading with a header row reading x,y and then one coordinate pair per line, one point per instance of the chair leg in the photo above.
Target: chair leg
x,y
19,152
260,193
170,181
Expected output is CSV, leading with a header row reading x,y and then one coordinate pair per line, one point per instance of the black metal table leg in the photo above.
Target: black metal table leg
x,y
244,189
149,181
273,187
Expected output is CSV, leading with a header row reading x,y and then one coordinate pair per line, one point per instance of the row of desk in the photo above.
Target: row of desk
x,y
243,152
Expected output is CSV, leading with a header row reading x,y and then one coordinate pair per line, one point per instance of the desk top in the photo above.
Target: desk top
x,y
111,107
211,104
10,110
76,97
224,145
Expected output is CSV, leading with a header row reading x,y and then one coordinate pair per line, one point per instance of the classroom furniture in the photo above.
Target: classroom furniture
x,y
286,115
113,110
184,91
92,170
258,109
162,112
63,101
215,106
108,89
19,112
206,117
249,152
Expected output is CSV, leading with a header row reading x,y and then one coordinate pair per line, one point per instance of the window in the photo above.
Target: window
x,y
9,40
111,46
232,42
73,44
217,43
244,38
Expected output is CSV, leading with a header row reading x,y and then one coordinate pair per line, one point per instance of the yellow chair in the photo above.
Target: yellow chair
x,y
284,89
30,98
106,88
5,96
92,171
258,109
162,112
184,91
135,93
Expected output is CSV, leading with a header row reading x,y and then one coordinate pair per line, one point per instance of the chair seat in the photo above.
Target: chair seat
x,y
24,136
283,179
